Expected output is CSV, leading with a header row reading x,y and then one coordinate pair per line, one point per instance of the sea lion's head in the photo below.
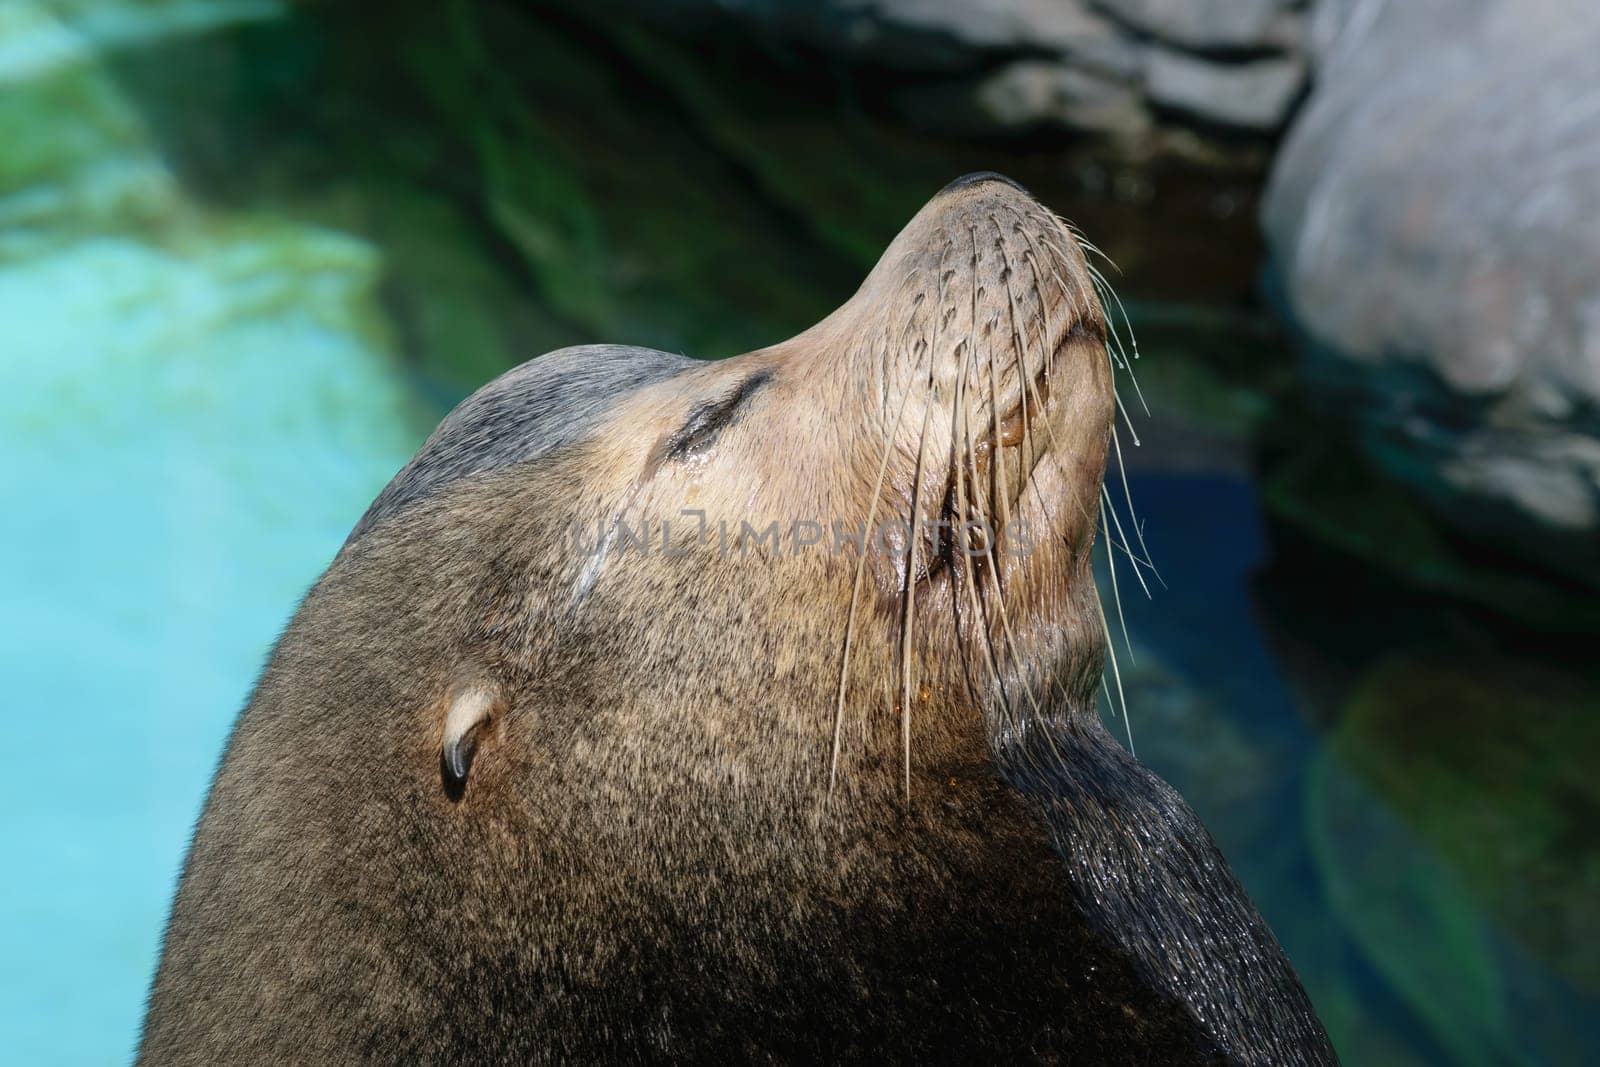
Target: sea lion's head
x,y
821,563
599,733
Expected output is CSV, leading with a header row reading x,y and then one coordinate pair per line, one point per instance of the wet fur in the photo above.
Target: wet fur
x,y
694,828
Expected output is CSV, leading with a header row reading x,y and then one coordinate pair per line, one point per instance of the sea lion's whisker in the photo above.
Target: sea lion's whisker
x,y
1044,307
1105,496
1118,356
999,487
1119,540
1115,349
999,481
1115,353
1062,256
999,593
1133,516
1116,672
960,414
1112,540
1116,439
1054,244
1031,254
1105,685
1105,628
972,586
1083,241
1026,374
883,373
1045,326
1116,593
1126,418
909,595
969,454
1111,700
1028,378
1101,285
1102,288
1133,338
861,563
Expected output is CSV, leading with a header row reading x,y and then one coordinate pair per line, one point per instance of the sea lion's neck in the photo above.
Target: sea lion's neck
x,y
1145,873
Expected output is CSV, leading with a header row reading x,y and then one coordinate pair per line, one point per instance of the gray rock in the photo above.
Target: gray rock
x,y
1200,23
1008,65
1036,92
1434,219
997,25
1251,96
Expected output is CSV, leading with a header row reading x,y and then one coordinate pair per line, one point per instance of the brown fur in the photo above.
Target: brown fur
x,y
657,853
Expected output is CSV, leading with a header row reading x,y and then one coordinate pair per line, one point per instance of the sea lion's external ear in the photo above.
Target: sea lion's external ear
x,y
470,711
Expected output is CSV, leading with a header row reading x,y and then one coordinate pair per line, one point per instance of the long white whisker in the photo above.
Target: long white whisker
x,y
1133,516
1116,672
861,568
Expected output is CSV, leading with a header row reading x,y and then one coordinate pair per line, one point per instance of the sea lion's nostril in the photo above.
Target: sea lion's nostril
x,y
979,176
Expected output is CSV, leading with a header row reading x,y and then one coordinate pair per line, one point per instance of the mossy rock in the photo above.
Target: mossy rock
x,y
1316,478
630,229
1493,766
1418,927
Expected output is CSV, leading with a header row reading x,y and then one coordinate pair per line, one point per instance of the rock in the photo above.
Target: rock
x,y
1200,23
1417,926
1103,76
1434,219
1453,817
1321,482
1250,96
1488,761
993,25
1031,92
1007,66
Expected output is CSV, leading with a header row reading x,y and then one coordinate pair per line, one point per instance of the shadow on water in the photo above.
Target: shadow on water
x,y
246,305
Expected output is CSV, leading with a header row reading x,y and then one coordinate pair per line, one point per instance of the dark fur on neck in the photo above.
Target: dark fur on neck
x,y
1148,877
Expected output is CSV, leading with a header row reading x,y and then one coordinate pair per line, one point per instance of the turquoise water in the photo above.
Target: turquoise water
x,y
199,395
196,406
178,466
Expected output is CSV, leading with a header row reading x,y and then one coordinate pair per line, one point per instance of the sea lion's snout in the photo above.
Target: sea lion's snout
x,y
982,328
1000,328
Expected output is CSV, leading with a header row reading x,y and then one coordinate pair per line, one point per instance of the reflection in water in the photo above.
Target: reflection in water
x,y
204,389
1412,812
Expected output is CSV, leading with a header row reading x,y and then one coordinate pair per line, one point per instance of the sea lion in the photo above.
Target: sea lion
x,y
664,710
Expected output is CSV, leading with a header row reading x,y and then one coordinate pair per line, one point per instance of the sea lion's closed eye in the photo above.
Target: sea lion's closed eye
x,y
707,420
